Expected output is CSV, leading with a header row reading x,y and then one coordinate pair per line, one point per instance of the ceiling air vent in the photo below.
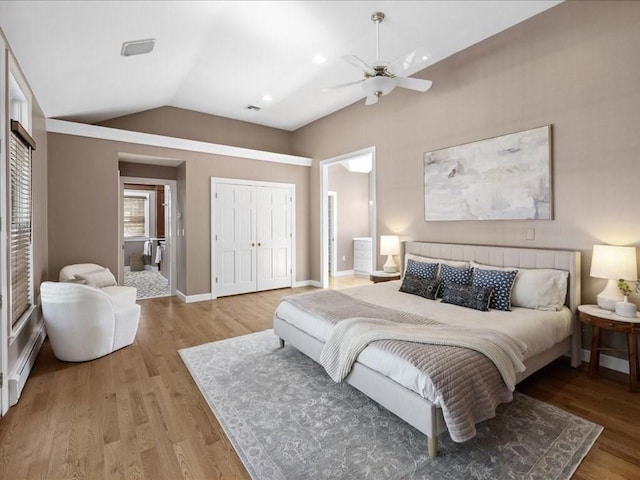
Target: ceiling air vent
x,y
137,47
253,108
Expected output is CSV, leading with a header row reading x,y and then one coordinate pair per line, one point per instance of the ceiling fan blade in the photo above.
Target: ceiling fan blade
x,y
417,84
358,63
411,62
342,85
371,99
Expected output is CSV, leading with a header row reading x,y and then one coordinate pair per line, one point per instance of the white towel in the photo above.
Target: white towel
x,y
158,254
147,248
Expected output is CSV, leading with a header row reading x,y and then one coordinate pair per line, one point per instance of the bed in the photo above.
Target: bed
x,y
548,333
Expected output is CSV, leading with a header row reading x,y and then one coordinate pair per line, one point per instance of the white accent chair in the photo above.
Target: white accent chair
x,y
84,323
120,294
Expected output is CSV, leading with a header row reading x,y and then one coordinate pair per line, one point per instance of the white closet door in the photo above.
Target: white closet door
x,y
235,249
274,237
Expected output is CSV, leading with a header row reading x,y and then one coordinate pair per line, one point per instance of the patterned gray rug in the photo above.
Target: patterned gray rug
x,y
149,283
288,420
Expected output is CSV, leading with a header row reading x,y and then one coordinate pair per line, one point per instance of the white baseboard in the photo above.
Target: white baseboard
x,y
607,361
305,283
18,377
344,273
203,297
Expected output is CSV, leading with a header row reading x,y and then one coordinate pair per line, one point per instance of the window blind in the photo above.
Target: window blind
x,y
20,146
135,216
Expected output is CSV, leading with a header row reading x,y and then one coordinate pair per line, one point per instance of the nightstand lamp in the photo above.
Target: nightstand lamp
x,y
390,245
613,263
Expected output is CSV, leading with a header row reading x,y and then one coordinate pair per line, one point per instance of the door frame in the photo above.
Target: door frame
x,y
171,228
4,237
334,224
215,181
324,215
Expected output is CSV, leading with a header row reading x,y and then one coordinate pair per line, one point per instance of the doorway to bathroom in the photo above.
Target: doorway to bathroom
x,y
147,232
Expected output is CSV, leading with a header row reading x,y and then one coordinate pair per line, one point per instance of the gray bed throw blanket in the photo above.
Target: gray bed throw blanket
x,y
467,385
349,337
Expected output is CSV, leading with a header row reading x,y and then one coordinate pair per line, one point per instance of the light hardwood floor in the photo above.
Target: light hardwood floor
x,y
137,413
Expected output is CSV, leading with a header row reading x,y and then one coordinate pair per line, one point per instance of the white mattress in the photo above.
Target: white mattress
x,y
539,330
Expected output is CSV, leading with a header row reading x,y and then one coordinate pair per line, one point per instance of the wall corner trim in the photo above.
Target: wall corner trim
x,y
203,297
128,136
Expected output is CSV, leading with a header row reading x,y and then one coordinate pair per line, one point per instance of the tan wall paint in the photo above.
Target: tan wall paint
x,y
176,122
353,210
143,170
574,66
83,204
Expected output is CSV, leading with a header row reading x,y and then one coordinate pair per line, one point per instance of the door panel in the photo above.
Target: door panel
x,y
274,238
253,238
235,245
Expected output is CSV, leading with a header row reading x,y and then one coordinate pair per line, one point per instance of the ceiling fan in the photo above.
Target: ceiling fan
x,y
382,77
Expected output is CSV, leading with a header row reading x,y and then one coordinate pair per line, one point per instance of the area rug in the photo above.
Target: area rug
x,y
148,283
288,420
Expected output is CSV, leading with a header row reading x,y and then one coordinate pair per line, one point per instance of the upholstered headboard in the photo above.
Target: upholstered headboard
x,y
508,257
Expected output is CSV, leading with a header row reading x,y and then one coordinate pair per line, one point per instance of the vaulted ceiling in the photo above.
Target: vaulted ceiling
x,y
219,57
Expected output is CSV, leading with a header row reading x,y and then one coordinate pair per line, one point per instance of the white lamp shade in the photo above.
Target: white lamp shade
x,y
612,262
389,245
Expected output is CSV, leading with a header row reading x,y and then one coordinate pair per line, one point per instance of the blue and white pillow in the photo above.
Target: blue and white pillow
x,y
468,296
423,287
421,270
458,275
502,283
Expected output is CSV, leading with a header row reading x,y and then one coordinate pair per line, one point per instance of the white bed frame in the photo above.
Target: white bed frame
x,y
410,406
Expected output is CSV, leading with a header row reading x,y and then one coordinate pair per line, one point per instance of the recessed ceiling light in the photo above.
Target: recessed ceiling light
x,y
137,47
267,98
319,59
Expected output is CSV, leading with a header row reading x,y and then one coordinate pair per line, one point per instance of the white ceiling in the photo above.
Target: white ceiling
x,y
218,57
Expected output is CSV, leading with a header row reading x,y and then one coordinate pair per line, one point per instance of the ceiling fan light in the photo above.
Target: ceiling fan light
x,y
383,85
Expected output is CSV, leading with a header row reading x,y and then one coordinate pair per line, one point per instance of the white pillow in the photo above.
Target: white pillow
x,y
537,288
540,288
98,279
418,258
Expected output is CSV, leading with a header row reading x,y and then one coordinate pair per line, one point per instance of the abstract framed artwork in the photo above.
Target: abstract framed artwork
x,y
501,178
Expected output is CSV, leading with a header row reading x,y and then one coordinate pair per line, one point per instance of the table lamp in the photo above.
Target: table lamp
x,y
390,245
613,263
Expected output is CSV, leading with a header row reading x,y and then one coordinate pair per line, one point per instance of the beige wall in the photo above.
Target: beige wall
x,y
143,170
352,191
176,122
574,66
83,204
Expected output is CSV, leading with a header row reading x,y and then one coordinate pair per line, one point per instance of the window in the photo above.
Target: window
x,y
20,212
20,146
136,214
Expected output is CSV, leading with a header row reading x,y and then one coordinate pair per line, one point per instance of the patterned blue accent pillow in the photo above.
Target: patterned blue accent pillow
x,y
468,296
502,283
422,270
459,275
419,286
